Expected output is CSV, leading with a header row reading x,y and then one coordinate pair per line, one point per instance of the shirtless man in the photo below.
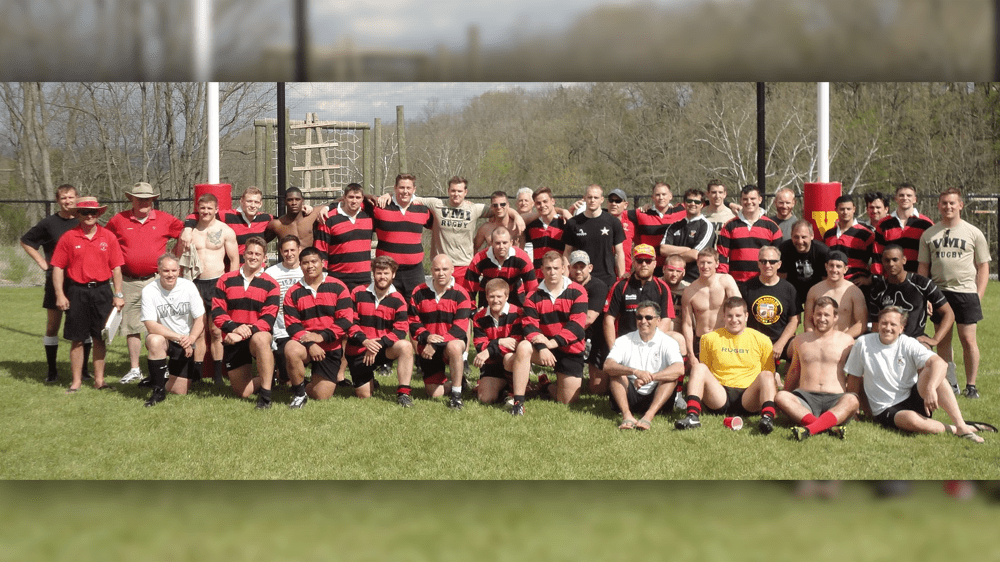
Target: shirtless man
x,y
853,312
296,221
815,396
214,241
701,304
500,208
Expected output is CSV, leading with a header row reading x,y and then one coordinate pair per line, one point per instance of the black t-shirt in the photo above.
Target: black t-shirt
x,y
597,296
912,295
597,236
803,270
770,307
47,232
695,234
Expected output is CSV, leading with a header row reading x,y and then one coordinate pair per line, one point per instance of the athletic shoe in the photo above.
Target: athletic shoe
x,y
404,400
517,409
146,382
298,402
970,391
800,433
690,422
766,425
134,375
52,377
838,431
456,402
158,395
956,389
263,403
384,370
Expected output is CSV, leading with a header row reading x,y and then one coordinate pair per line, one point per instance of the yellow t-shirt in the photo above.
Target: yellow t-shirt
x,y
736,360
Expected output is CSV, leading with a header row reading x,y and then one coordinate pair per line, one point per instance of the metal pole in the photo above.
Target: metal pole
x,y
282,124
301,41
996,41
761,142
201,20
823,130
213,132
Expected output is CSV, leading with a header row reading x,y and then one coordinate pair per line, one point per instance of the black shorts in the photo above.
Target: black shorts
x,y
966,306
494,370
206,288
818,402
237,354
352,280
598,352
733,405
697,347
914,402
641,402
362,374
329,366
434,367
178,364
49,300
89,307
408,278
568,364
279,355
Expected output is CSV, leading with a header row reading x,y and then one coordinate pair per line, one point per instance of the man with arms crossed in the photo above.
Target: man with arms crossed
x,y
701,303
735,372
171,311
496,331
645,365
814,396
956,256
904,382
209,244
245,304
853,313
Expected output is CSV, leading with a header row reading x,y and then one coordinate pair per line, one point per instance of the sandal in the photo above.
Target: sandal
x,y
71,390
643,424
973,437
104,387
982,427
627,424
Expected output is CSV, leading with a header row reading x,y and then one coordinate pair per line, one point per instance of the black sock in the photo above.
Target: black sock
x,y
50,356
217,373
158,372
198,368
265,393
519,399
299,389
86,356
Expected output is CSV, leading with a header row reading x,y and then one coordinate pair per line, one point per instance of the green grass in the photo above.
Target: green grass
x,y
210,435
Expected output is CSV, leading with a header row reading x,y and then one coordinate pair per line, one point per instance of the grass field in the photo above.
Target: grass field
x,y
210,435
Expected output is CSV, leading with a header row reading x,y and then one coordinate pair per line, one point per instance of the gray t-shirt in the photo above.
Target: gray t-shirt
x,y
454,228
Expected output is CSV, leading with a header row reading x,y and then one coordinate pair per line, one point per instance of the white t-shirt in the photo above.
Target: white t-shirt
x,y
655,355
285,278
176,309
889,371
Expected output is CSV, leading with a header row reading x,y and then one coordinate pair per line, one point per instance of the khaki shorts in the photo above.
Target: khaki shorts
x,y
132,310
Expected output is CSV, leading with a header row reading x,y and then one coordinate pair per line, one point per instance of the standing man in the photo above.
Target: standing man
x,y
502,260
287,272
525,206
247,220
210,251
911,292
815,396
45,235
904,226
645,366
545,233
689,235
85,259
598,234
580,270
651,224
742,237
344,240
701,303
784,204
877,207
318,313
854,240
502,216
618,207
803,260
554,320
956,256
717,212
296,221
904,382
244,307
142,233
440,316
735,373
454,227
852,316
399,228
772,300
171,311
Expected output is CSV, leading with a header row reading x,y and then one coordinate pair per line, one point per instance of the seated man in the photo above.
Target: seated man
x,y
318,313
554,319
735,372
440,313
378,335
853,313
904,382
645,365
171,310
244,308
496,330
814,396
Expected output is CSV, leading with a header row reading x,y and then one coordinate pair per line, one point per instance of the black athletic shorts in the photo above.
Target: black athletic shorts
x,y
237,354
914,402
408,278
494,370
569,364
818,402
362,374
641,402
49,300
329,366
966,306
733,405
89,307
352,280
178,364
206,288
434,368
598,352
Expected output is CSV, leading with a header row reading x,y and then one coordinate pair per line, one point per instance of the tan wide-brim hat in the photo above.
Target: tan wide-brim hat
x,y
142,190
88,203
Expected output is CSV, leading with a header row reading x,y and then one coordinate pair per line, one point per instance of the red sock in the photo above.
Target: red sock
x,y
694,405
823,423
403,389
808,419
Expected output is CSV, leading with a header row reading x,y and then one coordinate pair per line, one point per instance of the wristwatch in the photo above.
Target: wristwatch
x,y
119,296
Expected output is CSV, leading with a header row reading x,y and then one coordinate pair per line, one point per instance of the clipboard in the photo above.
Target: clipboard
x,y
111,326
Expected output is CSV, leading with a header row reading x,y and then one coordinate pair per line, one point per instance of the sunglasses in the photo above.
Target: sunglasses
x,y
498,205
768,262
646,317
88,213
644,261
615,200
693,201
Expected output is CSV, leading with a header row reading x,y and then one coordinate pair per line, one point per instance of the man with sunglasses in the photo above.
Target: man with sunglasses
x,y
625,296
774,311
502,216
690,235
618,207
143,233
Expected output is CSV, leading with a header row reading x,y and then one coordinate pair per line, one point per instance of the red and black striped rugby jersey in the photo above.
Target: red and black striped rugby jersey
x,y
448,315
545,238
328,312
857,242
739,244
345,246
907,236
386,320
517,270
562,318
487,331
255,304
399,233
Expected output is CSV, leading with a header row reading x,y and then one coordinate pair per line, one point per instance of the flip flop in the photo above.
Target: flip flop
x,y
973,437
982,427
627,424
643,424
71,390
104,387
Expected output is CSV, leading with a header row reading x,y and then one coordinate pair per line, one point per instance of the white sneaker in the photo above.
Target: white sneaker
x,y
134,375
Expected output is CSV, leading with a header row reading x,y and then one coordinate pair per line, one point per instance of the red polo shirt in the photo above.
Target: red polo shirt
x,y
144,242
87,260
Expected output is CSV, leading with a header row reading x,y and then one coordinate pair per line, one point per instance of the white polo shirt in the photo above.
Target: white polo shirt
x,y
657,354
889,371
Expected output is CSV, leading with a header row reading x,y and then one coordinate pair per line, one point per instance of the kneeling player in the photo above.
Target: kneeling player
x,y
378,335
735,374
318,313
815,395
495,333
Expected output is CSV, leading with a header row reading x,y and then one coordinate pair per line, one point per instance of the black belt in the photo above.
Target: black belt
x,y
89,285
150,276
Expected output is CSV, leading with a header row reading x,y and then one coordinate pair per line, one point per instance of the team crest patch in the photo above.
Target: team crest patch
x,y
767,310
104,246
